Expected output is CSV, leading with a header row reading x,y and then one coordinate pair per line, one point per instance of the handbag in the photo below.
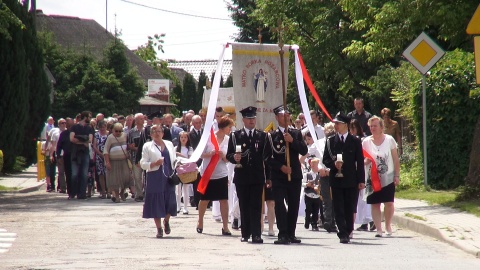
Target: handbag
x,y
129,162
173,179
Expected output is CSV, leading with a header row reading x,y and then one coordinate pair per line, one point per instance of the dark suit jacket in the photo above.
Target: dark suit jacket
x,y
297,147
194,139
353,166
254,169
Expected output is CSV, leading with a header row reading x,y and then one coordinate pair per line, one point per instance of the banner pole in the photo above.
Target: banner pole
x,y
284,90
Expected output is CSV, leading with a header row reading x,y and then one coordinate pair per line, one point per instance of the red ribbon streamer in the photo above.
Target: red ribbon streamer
x,y
202,185
307,79
377,186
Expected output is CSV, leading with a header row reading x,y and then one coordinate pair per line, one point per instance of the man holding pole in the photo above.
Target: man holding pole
x,y
287,144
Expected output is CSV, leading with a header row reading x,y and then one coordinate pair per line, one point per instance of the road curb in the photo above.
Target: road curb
x,y
27,189
424,228
31,189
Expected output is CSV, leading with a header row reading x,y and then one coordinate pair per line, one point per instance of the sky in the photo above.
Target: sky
x,y
187,37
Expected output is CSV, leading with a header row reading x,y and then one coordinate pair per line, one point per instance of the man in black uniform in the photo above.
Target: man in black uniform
x,y
194,137
284,189
251,177
343,155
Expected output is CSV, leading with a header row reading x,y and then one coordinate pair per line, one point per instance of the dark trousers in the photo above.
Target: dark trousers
x,y
312,206
67,163
80,174
53,171
344,205
287,220
250,202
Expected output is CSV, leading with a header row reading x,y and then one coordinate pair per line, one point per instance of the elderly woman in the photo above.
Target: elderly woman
x,y
383,149
158,159
217,188
115,155
392,127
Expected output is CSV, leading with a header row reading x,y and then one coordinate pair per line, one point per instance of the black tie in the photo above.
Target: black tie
x,y
198,132
250,134
341,137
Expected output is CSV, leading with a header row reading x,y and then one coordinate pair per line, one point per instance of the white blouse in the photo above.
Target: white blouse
x,y
221,168
150,153
383,157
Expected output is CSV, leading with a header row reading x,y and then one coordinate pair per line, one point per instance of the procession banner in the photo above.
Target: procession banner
x,y
257,79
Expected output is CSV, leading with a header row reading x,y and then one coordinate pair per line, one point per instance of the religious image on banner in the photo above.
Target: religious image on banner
x,y
257,79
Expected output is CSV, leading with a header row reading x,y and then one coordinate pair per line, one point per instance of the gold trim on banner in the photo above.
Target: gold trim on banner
x,y
260,53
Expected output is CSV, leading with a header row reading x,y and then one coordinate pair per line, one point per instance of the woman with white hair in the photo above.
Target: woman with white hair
x,y
116,162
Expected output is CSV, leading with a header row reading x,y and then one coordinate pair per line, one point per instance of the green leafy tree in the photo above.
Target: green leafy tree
x,y
202,81
229,81
189,94
25,90
241,13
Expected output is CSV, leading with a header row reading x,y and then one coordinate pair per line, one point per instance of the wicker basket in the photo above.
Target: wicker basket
x,y
187,178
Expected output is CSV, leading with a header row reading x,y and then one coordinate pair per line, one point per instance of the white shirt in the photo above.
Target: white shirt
x,y
221,168
383,157
150,153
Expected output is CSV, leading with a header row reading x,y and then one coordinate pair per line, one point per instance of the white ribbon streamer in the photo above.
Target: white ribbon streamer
x,y
212,104
320,144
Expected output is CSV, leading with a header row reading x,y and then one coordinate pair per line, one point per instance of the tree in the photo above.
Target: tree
x,y
24,98
241,13
202,81
229,81
189,95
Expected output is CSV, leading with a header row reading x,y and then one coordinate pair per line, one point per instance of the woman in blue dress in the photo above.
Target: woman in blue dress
x,y
158,159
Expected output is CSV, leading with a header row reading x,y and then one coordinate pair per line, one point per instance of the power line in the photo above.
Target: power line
x,y
175,12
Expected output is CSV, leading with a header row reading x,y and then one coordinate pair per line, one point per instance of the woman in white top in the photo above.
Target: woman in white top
x,y
158,159
383,149
217,188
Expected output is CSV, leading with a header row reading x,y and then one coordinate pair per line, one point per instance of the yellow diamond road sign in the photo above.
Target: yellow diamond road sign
x,y
423,53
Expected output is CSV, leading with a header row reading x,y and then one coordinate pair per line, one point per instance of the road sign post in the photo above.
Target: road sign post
x,y
423,53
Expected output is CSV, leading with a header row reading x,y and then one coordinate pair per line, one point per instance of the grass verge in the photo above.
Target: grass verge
x,y
4,188
446,198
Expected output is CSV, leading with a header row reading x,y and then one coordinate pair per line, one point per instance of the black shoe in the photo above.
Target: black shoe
x,y
243,239
295,240
199,230
226,232
372,226
329,228
363,228
139,199
159,232
306,225
281,241
314,227
344,240
257,240
167,227
235,224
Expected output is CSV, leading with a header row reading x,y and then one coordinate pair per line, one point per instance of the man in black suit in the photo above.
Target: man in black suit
x,y
283,188
251,177
343,155
194,137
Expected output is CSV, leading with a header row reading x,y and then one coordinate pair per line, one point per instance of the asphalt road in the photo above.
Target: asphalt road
x,y
54,233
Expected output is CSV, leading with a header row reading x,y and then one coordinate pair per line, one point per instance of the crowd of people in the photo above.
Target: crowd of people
x,y
245,175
